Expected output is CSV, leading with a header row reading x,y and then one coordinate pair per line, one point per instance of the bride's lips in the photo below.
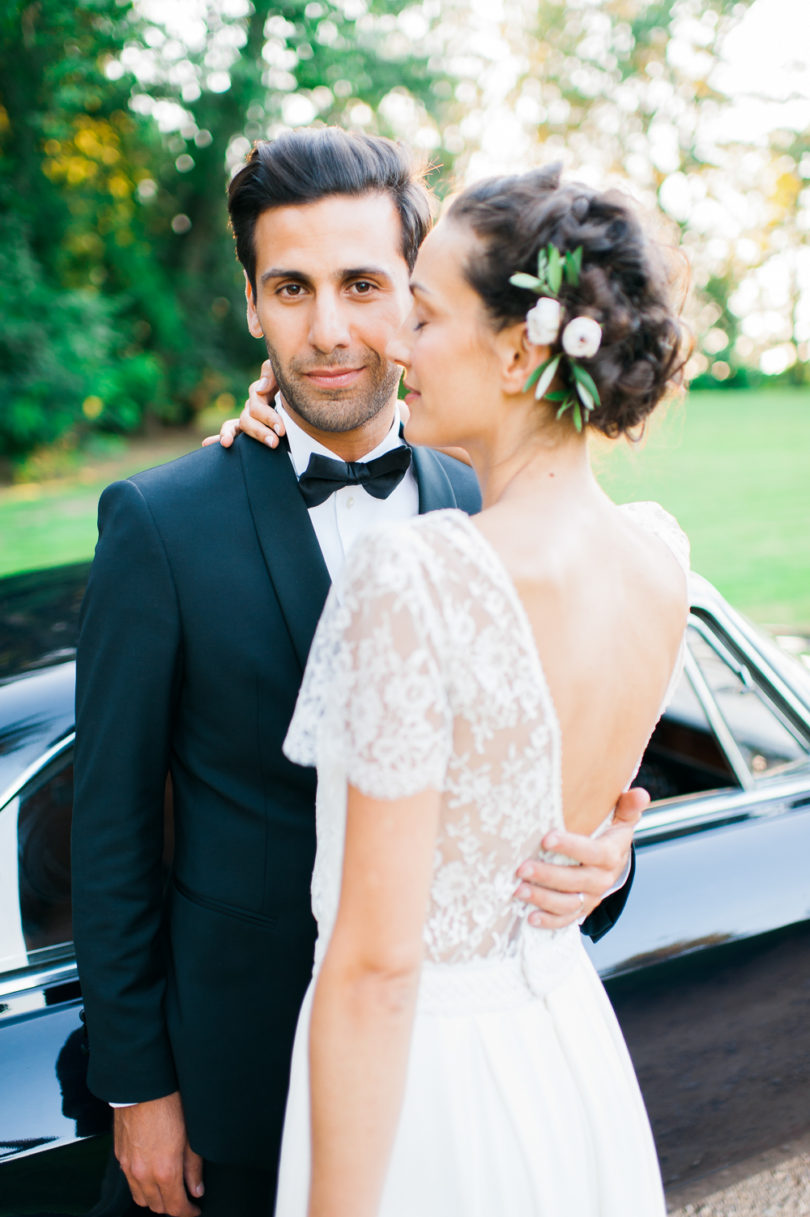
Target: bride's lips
x,y
411,395
334,378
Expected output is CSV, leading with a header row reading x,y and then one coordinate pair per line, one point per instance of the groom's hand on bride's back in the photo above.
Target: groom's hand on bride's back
x,y
152,1149
560,895
258,418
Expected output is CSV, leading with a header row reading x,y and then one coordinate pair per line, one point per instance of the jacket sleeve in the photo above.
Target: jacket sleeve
x,y
606,914
128,665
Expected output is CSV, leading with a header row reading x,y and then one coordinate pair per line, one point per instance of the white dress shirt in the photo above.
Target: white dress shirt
x,y
350,510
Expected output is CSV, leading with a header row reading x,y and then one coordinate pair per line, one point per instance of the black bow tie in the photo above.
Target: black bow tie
x,y
323,476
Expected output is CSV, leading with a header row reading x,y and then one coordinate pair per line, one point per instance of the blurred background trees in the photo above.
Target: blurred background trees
x,y
122,302
121,120
645,92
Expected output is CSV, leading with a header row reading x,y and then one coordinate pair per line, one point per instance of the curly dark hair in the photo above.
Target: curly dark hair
x,y
624,283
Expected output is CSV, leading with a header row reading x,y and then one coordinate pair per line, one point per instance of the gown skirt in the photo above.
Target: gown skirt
x,y
520,1099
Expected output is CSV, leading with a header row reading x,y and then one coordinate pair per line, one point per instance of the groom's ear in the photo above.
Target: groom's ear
x,y
253,322
518,356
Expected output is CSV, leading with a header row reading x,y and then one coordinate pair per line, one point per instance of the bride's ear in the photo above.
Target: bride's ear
x,y
518,357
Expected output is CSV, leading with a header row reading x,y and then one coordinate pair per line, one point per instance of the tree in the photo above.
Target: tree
x,y
69,236
123,300
628,90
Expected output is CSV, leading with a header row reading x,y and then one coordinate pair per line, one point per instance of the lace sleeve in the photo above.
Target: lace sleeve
x,y
373,699
656,519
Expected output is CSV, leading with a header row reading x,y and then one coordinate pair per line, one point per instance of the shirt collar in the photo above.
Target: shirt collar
x,y
302,445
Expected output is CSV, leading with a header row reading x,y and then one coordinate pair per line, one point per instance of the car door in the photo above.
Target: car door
x,y
51,1161
709,967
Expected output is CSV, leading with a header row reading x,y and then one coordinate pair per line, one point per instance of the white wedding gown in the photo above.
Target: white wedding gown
x,y
520,1097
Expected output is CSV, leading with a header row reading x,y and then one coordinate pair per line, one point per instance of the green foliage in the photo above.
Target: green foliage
x,y
732,467
122,300
630,88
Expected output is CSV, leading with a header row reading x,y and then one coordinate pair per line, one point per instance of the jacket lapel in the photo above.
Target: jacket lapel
x,y
287,540
435,488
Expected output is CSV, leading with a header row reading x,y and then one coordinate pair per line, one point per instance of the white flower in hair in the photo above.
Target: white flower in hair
x,y
581,337
544,321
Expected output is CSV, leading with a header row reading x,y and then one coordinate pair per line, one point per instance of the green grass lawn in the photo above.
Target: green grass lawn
x,y
46,523
734,467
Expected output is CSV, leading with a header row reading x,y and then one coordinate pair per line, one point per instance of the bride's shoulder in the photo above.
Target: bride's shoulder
x,y
652,518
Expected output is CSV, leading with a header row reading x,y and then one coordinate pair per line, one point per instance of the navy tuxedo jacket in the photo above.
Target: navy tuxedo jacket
x,y
203,598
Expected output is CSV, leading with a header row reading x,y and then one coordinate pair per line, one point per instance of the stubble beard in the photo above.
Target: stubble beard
x,y
343,409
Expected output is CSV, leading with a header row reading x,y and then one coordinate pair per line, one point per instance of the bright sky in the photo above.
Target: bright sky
x,y
769,52
768,56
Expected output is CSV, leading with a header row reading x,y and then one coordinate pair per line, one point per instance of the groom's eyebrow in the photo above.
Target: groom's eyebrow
x,y
366,272
349,272
279,272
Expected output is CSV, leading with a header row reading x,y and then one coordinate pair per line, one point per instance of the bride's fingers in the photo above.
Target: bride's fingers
x,y
258,418
227,434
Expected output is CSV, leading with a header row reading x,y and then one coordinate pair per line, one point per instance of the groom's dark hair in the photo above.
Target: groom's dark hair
x,y
313,163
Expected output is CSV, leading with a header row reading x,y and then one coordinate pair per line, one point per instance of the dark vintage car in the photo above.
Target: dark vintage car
x,y
709,967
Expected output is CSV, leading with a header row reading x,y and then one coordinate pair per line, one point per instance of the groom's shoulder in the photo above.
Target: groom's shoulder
x,y
195,473
463,480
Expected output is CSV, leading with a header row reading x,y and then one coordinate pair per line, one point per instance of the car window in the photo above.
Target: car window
x,y
35,910
683,757
766,740
43,850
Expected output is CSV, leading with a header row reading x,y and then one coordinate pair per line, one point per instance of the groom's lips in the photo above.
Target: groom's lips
x,y
334,378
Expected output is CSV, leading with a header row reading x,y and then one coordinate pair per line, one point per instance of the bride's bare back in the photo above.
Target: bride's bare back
x,y
606,601
425,674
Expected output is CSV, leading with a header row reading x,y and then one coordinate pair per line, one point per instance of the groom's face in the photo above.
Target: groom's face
x,y
331,290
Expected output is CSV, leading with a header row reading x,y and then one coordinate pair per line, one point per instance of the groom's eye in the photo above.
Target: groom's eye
x,y
363,287
290,290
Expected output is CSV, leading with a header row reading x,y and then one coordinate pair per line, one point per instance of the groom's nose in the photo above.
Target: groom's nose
x,y
329,323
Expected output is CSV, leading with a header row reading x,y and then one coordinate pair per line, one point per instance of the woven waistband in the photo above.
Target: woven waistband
x,y
541,962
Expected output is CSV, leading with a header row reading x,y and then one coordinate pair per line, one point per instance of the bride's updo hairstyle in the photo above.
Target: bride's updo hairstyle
x,y
623,284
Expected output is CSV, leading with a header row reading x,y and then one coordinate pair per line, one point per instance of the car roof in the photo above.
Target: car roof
x,y
39,625
39,618
36,715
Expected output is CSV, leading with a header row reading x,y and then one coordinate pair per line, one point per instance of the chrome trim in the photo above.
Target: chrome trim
x,y
705,807
36,767
748,646
26,979
714,716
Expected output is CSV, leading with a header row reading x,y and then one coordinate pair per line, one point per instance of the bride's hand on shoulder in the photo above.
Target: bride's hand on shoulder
x,y
561,895
258,418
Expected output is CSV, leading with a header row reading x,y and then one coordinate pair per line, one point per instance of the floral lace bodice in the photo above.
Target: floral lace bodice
x,y
424,673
